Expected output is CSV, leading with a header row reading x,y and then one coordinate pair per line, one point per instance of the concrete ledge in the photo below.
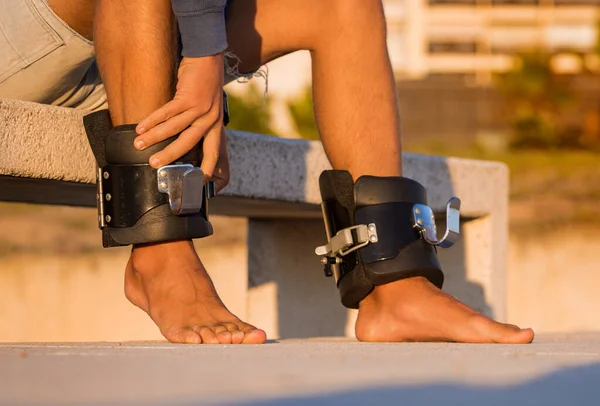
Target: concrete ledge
x,y
42,148
45,142
555,370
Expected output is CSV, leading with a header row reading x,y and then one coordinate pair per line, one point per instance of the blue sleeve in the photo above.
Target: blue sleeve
x,y
202,26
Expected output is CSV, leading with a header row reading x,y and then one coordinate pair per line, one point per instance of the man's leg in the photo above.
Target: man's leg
x,y
356,111
135,46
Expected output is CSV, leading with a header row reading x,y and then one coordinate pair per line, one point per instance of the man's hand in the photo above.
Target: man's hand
x,y
196,112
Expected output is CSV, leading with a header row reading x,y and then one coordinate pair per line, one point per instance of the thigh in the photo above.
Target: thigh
x,y
259,31
47,61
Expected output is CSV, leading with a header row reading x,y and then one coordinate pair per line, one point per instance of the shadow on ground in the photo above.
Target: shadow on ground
x,y
570,386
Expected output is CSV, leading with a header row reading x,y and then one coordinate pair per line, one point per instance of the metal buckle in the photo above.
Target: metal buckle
x,y
184,183
424,221
100,197
343,242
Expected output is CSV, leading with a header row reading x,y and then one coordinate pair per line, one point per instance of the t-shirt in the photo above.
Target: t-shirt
x,y
202,26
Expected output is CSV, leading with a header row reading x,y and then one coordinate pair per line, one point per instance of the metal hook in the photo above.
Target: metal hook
x,y
184,185
424,220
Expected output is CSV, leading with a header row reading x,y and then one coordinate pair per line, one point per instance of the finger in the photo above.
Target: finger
x,y
171,109
165,130
183,144
211,150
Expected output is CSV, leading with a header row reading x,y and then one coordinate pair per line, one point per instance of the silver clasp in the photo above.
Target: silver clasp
x,y
343,243
184,183
100,197
424,221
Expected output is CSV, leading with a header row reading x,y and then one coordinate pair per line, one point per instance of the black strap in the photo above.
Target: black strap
x,y
129,192
97,126
395,229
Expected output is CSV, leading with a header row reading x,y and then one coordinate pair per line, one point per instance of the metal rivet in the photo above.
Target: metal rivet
x,y
324,261
420,221
373,238
371,227
162,173
108,197
163,185
418,211
108,218
106,175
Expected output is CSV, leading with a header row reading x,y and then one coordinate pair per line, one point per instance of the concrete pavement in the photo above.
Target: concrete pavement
x,y
555,370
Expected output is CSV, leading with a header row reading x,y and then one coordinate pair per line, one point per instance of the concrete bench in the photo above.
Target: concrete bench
x,y
45,158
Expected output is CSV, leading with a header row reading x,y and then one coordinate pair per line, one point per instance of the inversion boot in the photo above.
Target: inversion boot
x,y
380,230
139,204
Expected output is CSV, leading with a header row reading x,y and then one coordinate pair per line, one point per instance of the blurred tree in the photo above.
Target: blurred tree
x,y
302,112
250,112
537,100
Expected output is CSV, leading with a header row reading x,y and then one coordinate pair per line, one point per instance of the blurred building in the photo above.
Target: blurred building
x,y
444,54
477,37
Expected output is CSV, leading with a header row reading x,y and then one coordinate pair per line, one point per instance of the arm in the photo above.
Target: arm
x,y
195,113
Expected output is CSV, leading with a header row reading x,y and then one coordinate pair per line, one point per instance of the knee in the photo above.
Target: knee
x,y
357,13
357,9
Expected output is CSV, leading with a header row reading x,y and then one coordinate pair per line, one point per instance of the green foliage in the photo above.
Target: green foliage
x,y
302,112
250,112
538,101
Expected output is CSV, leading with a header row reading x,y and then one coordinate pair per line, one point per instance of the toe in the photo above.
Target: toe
x,y
521,336
502,333
191,337
255,336
223,334
183,336
208,335
237,336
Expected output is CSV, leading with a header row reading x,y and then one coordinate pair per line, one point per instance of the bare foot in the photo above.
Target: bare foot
x,y
169,282
415,310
